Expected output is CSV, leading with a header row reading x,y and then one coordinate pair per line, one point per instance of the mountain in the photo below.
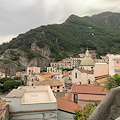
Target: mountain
x,y
40,46
106,19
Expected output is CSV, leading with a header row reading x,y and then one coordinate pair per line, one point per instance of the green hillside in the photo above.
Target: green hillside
x,y
71,37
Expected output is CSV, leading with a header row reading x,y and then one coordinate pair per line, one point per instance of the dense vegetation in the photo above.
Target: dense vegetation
x,y
85,112
71,37
112,82
8,84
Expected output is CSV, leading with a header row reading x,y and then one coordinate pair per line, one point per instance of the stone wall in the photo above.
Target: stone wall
x,y
108,106
4,112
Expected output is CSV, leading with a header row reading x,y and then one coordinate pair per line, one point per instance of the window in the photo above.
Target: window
x,y
51,87
75,75
88,81
117,61
58,87
75,98
91,67
57,90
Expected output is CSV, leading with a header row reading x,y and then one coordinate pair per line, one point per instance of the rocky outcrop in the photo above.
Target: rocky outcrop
x,y
39,62
45,51
15,60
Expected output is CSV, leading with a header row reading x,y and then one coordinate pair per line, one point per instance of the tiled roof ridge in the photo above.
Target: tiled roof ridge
x,y
87,85
102,76
85,71
66,100
40,82
88,100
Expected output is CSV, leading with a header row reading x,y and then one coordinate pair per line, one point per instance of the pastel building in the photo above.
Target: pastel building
x,y
20,74
114,64
32,102
52,69
56,85
33,70
76,61
64,64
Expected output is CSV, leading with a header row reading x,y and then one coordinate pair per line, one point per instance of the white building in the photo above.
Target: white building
x,y
32,103
114,64
82,77
85,74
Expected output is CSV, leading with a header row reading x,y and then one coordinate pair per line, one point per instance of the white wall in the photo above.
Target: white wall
x,y
15,105
111,64
91,77
78,79
84,78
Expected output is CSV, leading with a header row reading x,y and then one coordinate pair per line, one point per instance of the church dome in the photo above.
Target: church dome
x,y
87,61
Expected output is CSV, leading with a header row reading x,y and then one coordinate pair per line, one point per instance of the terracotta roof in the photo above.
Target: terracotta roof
x,y
101,69
67,59
65,72
61,62
42,73
67,105
82,104
101,79
85,71
68,97
89,97
88,89
65,97
48,75
48,82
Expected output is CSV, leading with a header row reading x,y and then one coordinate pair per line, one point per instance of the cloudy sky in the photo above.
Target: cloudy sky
x,y
19,16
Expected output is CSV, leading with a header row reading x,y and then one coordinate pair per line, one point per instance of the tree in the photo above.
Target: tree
x,y
18,79
9,84
5,79
112,82
86,111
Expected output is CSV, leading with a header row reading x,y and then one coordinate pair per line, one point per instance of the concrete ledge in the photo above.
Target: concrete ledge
x,y
107,105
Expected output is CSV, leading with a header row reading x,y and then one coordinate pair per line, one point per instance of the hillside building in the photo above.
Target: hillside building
x,y
52,69
33,70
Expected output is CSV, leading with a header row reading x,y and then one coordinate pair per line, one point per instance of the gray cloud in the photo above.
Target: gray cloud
x,y
19,16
